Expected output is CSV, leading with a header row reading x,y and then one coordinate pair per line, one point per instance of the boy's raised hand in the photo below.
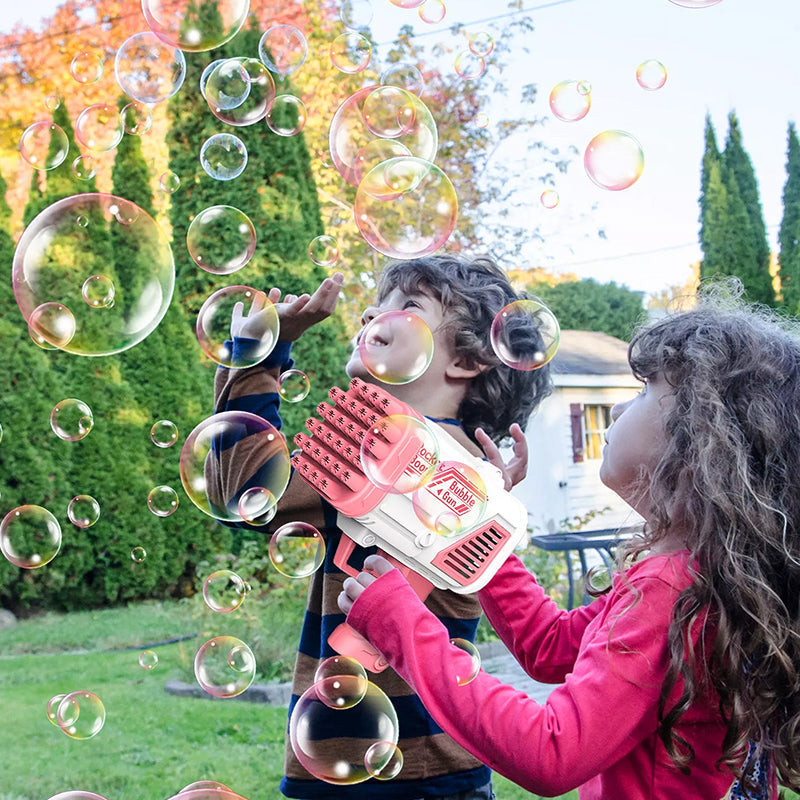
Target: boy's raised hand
x,y
517,467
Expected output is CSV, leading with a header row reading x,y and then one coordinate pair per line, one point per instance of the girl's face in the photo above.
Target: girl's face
x,y
636,440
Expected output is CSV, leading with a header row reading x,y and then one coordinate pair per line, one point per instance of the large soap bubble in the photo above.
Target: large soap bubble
x,y
239,91
193,26
148,69
80,237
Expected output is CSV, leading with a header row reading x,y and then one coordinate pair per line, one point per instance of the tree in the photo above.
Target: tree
x,y
789,235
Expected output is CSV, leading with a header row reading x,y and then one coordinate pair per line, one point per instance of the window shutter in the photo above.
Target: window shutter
x,y
576,421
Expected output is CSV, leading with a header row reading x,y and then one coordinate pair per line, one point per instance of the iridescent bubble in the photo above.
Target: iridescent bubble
x,y
432,11
98,291
1,433
351,52
232,437
399,453
84,168
228,85
375,152
44,145
293,385
283,49
148,659
138,554
257,506
224,666
30,536
54,256
406,76
77,795
52,708
222,591
162,501
584,87
340,759
695,3
525,334
182,24
407,3
40,341
82,221
341,682
481,44
208,70
406,207
651,75
223,157
81,715
52,102
481,120
86,67
221,240
83,510
569,104
356,14
235,110
71,420
287,115
614,160
164,433
205,785
136,118
297,549
383,760
468,668
396,346
389,112
549,198
452,501
323,250
469,66
169,182
148,69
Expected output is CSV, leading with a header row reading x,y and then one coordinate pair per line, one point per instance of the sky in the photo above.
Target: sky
x,y
736,55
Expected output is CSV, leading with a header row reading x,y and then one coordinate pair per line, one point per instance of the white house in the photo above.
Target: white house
x,y
566,436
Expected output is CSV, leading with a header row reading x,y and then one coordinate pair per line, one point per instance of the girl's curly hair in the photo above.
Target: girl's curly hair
x,y
471,292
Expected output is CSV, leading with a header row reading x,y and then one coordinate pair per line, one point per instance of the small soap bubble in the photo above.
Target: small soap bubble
x,y
86,67
81,715
99,127
39,340
221,239
432,11
136,118
389,111
407,3
287,115
396,347
695,3
323,250
239,91
84,168
164,433
351,52
138,554
223,157
52,322
283,49
584,87
293,385
406,76
651,75
452,501
83,510
82,221
183,25
356,14
257,506
162,501
341,682
549,198
240,658
71,420
77,795
98,291
598,578
35,145
148,69
52,102
525,334
1,433
30,536
224,666
222,591
383,760
614,160
206,785
148,659
52,708
481,44
481,120
468,669
568,103
469,66
297,549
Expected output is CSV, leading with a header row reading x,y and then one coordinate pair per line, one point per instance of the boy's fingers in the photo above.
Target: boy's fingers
x,y
274,294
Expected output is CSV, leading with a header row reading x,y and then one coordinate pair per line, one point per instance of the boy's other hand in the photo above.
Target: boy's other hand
x,y
255,323
298,314
374,567
517,467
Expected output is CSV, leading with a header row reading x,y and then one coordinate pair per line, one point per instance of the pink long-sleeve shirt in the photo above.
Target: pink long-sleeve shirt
x,y
598,729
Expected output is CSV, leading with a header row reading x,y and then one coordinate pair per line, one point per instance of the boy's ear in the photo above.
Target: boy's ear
x,y
463,368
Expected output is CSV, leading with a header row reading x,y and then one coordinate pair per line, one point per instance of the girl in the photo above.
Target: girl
x,y
682,681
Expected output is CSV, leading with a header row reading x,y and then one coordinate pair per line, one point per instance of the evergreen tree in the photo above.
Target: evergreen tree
x,y
789,235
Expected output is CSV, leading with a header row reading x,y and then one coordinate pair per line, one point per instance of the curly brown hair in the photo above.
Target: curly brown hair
x,y
731,470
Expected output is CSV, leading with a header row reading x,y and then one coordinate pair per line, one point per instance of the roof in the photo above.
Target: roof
x,y
590,353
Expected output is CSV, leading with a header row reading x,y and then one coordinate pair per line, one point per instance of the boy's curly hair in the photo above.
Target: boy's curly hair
x,y
472,292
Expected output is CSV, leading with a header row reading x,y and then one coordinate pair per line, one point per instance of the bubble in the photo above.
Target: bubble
x,y
383,760
349,134
695,3
54,256
407,3
568,103
148,659
614,160
52,708
549,198
138,554
1,433
30,536
283,49
77,795
525,334
84,168
136,118
222,591
86,68
356,14
224,666
164,433
239,91
228,85
39,341
481,44
148,69
162,501
341,682
257,506
82,221
182,24
468,669
232,438
297,549
71,420
44,145
350,52
287,115
394,441
651,75
432,11
598,578
293,385
406,207
221,240
396,346
83,510
223,157
98,291
205,785
469,66
169,182
340,759
81,715
584,87
375,152
481,120
452,501
406,76
389,111
52,102
323,250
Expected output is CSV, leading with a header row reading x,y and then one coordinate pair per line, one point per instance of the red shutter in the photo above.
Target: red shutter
x,y
576,421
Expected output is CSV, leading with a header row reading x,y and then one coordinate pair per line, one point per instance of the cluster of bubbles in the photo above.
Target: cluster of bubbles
x,y
79,715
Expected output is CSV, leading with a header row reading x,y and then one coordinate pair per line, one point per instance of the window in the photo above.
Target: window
x,y
596,421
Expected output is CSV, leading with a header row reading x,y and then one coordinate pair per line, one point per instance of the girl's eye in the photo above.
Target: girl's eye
x,y
411,304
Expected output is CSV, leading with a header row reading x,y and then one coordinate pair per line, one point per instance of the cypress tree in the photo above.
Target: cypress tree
x,y
789,235
709,196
